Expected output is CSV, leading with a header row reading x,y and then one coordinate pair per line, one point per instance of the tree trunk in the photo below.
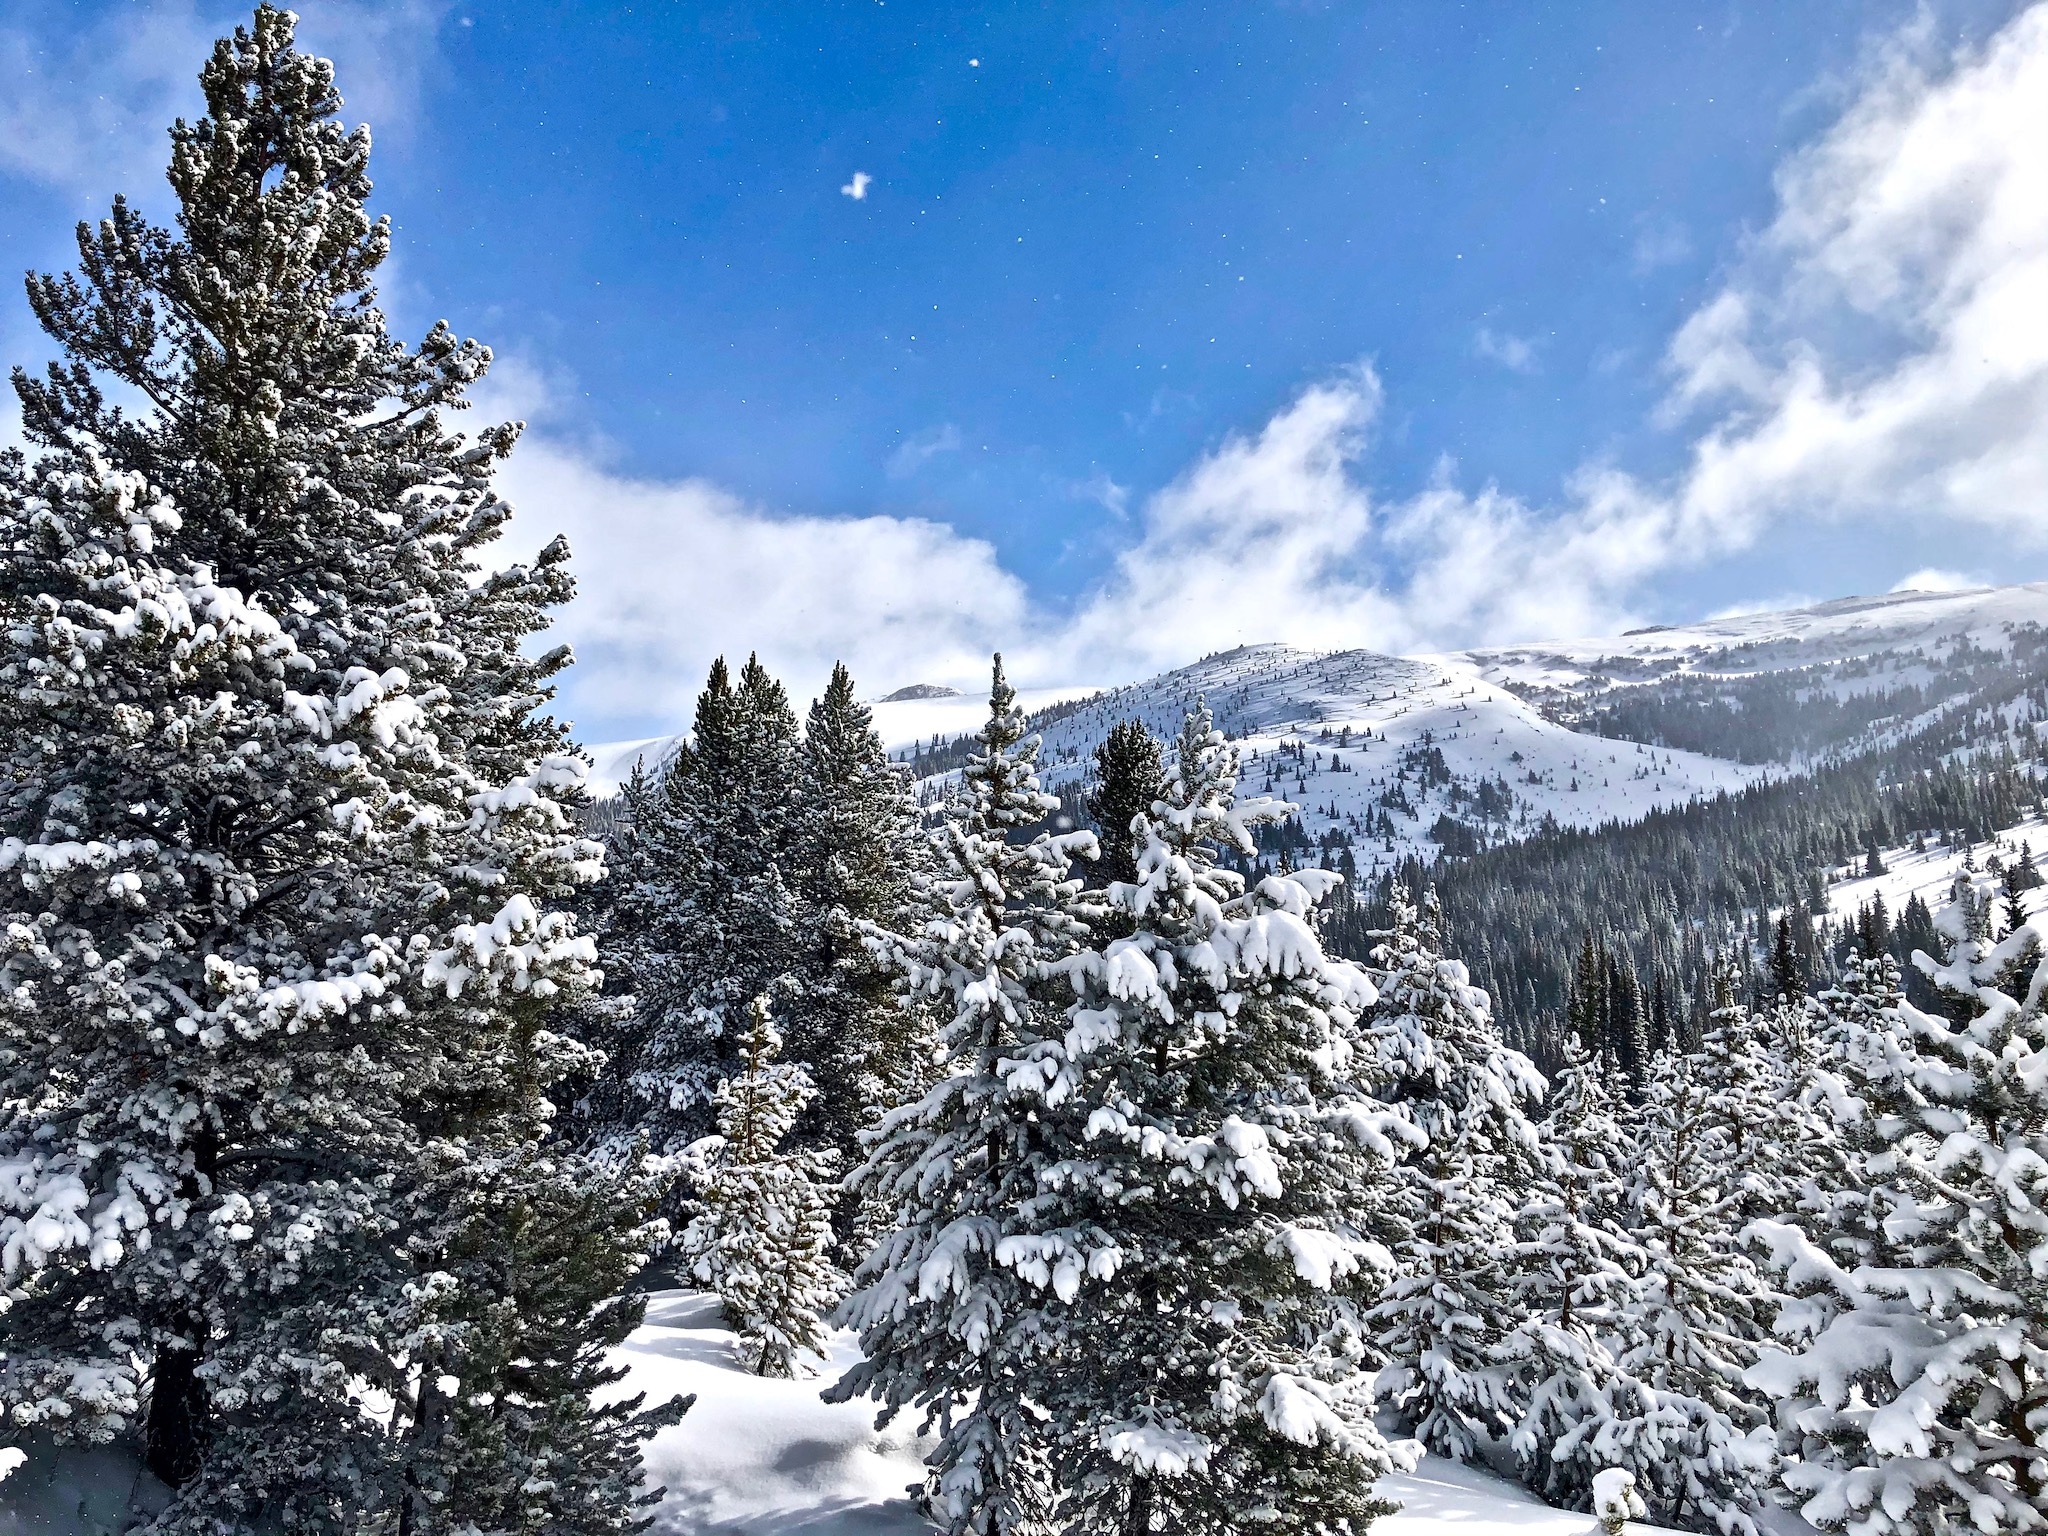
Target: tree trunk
x,y
1138,1513
175,1434
174,1438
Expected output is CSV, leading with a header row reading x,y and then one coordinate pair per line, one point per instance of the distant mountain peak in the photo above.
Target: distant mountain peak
x,y
914,691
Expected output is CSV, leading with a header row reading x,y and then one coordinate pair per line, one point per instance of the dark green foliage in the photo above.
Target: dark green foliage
x,y
711,921
1128,778
1682,885
857,843
1788,968
749,863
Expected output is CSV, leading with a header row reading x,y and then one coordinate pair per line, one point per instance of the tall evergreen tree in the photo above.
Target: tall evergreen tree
x,y
717,923
2013,889
1698,1310
1574,1278
1919,1380
1742,1076
945,1325
1129,776
1442,1321
1788,969
855,843
1210,1184
283,839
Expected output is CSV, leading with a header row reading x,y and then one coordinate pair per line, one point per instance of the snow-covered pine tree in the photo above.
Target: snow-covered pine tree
x,y
1821,1134
857,837
1745,1077
1920,1379
1443,1319
761,1231
1208,1189
944,1326
283,836
718,924
1701,1455
624,910
1129,776
1574,1276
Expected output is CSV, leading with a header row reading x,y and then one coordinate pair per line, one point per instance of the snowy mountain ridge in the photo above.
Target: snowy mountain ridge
x,y
1749,644
1390,756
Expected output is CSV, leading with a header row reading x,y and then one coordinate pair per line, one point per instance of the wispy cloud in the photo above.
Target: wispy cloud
x,y
1515,353
1933,579
83,109
919,449
1101,489
1660,241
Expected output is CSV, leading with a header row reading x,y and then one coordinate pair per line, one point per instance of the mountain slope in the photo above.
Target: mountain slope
x,y
1751,644
1398,756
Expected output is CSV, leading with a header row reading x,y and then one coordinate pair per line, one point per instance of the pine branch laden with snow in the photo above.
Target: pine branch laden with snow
x,y
761,1233
1444,1319
944,1325
1702,1454
1917,1360
283,838
1575,1276
1208,1182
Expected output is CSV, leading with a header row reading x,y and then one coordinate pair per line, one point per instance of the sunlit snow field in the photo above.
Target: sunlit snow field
x,y
756,1457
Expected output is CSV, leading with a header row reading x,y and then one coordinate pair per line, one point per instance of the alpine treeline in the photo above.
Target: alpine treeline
x,y
1661,900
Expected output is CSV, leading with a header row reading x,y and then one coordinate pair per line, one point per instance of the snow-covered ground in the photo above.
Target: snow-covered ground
x,y
1767,642
1930,873
759,1457
1340,733
756,1457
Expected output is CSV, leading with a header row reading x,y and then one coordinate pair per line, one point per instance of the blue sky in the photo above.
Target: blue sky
x,y
1160,327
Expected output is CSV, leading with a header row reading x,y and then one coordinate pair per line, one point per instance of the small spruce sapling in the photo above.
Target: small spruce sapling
x,y
761,1232
1129,776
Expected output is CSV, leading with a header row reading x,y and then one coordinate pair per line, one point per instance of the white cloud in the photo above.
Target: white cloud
x,y
672,573
1515,353
85,109
1105,492
1881,353
857,189
1934,579
920,448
